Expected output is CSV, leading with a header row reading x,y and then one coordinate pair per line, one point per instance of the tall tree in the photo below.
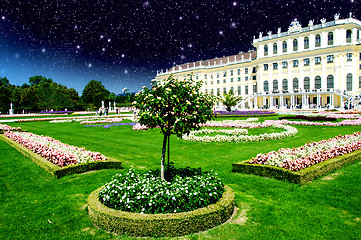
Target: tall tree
x,y
5,94
94,92
175,106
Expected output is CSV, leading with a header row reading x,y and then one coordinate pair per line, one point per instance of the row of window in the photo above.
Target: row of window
x,y
254,77
306,42
306,83
231,72
306,62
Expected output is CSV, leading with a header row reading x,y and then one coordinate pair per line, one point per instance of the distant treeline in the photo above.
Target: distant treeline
x,y
44,94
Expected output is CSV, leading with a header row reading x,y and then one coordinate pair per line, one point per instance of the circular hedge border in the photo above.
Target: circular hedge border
x,y
160,225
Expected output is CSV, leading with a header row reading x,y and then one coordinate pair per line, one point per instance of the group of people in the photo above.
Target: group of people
x,y
102,111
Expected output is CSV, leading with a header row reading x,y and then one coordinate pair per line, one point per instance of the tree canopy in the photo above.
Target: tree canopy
x,y
94,92
175,106
230,100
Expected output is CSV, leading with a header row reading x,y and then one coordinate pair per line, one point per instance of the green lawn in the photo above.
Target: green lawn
x,y
34,205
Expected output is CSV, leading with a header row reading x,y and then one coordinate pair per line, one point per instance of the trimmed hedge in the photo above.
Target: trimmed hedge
x,y
309,118
301,176
160,225
58,171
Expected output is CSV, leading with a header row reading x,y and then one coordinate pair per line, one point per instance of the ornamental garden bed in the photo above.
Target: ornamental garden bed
x,y
305,163
309,118
160,225
221,114
59,163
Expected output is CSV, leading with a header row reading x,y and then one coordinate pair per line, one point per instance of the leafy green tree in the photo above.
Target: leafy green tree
x,y
5,94
94,92
230,99
175,106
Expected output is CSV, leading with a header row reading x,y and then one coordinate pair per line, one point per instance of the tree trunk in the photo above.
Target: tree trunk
x,y
163,157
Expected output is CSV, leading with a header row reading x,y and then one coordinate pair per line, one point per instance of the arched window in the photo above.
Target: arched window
x,y
348,36
275,48
295,45
284,84
275,85
295,83
318,40
349,82
306,83
317,82
284,46
359,82
306,43
265,86
330,38
266,50
330,81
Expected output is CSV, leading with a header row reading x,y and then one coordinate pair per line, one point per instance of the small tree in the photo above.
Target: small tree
x,y
230,100
175,106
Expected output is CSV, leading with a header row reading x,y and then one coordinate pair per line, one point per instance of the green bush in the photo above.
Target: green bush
x,y
58,171
160,225
301,176
187,190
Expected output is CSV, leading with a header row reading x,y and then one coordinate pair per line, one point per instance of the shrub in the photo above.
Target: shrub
x,y
186,190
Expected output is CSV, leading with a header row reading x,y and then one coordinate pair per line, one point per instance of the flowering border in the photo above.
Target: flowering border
x,y
58,171
161,225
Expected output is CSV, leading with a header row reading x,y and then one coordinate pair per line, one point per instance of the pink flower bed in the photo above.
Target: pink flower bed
x,y
311,153
53,150
329,124
4,127
110,120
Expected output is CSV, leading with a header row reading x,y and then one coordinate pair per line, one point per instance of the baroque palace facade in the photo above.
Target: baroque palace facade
x,y
306,67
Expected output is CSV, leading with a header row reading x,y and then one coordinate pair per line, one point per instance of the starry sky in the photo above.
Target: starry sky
x,y
123,43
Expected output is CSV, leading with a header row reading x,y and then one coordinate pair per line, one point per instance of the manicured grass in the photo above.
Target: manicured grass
x,y
34,205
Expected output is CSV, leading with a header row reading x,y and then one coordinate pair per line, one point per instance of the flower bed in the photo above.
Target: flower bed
x,y
326,124
144,205
310,154
237,137
113,125
309,118
244,113
5,128
110,120
54,151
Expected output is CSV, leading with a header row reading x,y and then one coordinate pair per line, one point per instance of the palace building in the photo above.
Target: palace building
x,y
305,67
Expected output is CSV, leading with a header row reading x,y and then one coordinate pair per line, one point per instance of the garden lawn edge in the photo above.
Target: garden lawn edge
x,y
160,225
302,176
58,171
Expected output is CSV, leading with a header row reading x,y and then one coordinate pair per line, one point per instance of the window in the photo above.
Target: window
x,y
224,74
239,90
224,90
317,60
349,82
306,43
330,81
238,79
349,57
246,89
265,66
212,91
224,80
231,79
295,83
295,63
246,78
197,76
255,88
306,62
295,45
284,64
239,71
217,74
275,66
330,38
231,90
306,83
231,72
246,70
275,85
205,82
275,48
329,58
318,40
359,82
206,90
266,50
218,91
211,82
317,82
348,36
284,84
212,76
360,67
284,46
254,70
218,81
254,77
265,86
360,56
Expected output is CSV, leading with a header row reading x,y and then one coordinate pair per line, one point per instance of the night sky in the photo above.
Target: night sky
x,y
123,43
